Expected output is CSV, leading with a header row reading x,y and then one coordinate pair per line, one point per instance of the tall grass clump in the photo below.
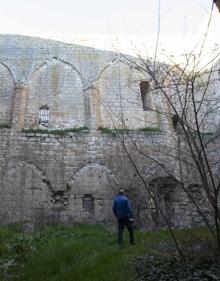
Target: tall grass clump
x,y
90,253
78,253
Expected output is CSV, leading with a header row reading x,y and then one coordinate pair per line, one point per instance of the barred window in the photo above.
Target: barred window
x,y
44,113
88,203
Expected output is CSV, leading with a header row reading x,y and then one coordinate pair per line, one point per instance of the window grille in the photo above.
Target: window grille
x,y
88,203
44,116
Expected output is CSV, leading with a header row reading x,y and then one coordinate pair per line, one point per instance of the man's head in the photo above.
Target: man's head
x,y
121,192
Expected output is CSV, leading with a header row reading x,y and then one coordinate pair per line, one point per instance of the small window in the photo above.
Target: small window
x,y
176,123
144,88
88,203
44,116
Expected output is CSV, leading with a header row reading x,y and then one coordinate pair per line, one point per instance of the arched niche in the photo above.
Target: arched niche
x,y
6,94
26,193
121,101
56,85
91,192
162,198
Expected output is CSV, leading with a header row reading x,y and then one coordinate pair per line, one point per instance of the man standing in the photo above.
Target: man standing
x,y
123,212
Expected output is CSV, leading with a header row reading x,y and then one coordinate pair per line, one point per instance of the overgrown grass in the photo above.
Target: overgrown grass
x,y
90,253
79,253
56,132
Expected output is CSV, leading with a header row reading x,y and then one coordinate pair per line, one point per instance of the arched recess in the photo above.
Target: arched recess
x,y
96,183
163,194
26,193
7,83
121,102
58,86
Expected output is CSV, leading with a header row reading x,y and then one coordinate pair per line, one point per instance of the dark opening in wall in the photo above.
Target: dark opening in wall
x,y
146,100
88,203
163,190
44,113
169,209
176,123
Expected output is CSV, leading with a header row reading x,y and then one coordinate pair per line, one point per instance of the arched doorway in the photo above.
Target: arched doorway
x,y
162,201
91,192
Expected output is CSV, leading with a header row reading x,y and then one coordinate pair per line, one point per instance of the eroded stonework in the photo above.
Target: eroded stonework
x,y
74,177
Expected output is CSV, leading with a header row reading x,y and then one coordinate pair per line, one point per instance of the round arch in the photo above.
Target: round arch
x,y
39,66
97,183
27,192
58,86
15,80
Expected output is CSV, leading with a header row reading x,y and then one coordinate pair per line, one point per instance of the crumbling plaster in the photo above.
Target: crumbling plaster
x,y
44,177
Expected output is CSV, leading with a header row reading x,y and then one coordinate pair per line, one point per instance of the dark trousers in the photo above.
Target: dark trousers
x,y
122,222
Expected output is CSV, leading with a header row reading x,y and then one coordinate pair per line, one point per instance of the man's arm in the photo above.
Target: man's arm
x,y
114,208
130,211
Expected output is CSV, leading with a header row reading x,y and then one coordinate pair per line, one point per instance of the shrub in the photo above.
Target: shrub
x,y
116,130
5,126
171,268
56,132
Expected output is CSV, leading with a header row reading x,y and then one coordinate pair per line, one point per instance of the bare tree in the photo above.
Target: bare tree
x,y
193,108
187,99
189,103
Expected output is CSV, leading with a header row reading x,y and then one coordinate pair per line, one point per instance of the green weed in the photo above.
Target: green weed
x,y
5,126
90,253
56,132
116,130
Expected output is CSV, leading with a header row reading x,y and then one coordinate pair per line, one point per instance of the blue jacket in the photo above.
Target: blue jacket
x,y
122,207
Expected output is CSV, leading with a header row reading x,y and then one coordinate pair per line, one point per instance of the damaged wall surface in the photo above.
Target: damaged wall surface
x,y
74,177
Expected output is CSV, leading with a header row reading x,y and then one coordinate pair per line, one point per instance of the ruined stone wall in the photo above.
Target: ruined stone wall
x,y
82,87
59,86
121,104
46,177
6,94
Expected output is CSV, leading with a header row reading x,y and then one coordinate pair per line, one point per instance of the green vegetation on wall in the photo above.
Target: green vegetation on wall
x,y
114,131
4,126
56,132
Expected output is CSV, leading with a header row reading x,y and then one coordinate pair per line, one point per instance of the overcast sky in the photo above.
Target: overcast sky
x,y
71,18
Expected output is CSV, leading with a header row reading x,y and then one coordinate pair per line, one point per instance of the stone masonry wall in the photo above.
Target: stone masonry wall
x,y
57,85
82,87
74,177
6,94
44,179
